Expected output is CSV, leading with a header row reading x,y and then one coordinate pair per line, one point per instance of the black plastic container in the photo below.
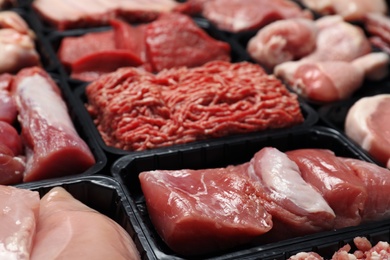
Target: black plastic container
x,y
221,154
112,153
102,193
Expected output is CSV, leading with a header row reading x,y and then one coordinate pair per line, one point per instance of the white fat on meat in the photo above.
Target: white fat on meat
x,y
350,10
65,225
282,41
275,172
20,209
366,123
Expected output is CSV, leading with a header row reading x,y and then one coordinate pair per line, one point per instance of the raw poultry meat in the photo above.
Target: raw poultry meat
x,y
293,213
283,40
204,211
68,229
366,123
136,110
8,111
17,46
337,183
350,10
170,41
20,210
75,14
377,182
12,163
378,27
53,146
238,16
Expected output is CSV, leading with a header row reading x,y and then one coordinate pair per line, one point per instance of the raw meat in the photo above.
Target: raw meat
x,y
237,16
53,146
12,20
172,40
8,111
20,210
136,110
350,10
306,256
282,41
377,182
204,211
366,123
75,14
12,163
68,229
340,187
378,27
375,65
296,207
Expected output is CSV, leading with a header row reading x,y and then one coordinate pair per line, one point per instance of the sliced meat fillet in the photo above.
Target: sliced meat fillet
x,y
337,183
297,208
20,211
366,123
204,211
237,16
282,41
53,146
377,182
69,229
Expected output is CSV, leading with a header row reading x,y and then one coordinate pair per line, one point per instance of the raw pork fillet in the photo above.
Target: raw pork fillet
x,y
367,123
12,163
340,187
74,13
377,182
20,211
282,41
296,207
8,111
53,147
237,15
204,211
136,110
68,229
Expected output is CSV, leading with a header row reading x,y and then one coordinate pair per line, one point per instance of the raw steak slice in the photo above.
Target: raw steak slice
x,y
53,146
204,211
282,41
296,207
8,111
75,14
367,123
377,182
175,40
340,187
237,16
20,210
68,229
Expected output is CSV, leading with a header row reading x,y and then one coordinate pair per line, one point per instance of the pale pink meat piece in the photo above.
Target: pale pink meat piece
x,y
337,183
12,20
350,10
297,208
306,256
68,229
53,146
367,123
376,179
237,16
375,65
204,211
20,211
282,41
8,111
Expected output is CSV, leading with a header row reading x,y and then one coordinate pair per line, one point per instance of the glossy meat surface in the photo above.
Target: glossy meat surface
x,y
68,229
20,211
53,146
340,187
204,211
8,111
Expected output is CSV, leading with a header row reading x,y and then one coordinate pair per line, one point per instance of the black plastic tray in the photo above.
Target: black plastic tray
x,y
113,153
127,169
101,193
